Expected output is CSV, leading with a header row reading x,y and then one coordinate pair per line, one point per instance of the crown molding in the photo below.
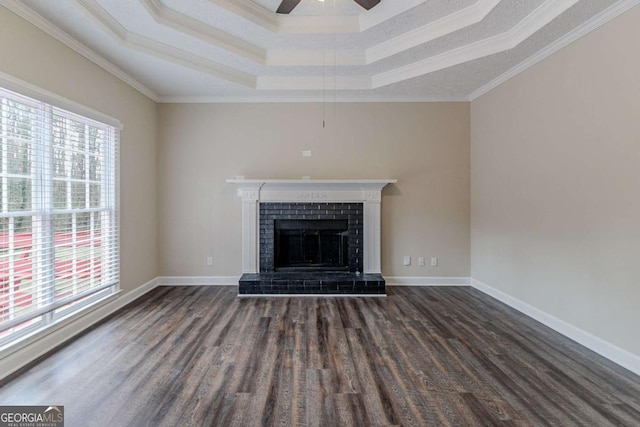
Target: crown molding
x,y
168,17
280,57
96,13
189,60
100,16
54,31
580,31
448,24
309,99
544,14
540,17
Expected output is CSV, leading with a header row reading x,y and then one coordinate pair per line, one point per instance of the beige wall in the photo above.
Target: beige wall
x,y
33,56
424,146
556,184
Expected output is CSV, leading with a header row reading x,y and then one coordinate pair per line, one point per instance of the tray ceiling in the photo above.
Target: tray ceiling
x,y
241,50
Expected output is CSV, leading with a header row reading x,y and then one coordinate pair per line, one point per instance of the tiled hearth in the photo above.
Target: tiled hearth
x,y
352,202
311,283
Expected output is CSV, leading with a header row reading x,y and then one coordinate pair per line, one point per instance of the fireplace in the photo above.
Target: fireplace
x,y
311,245
311,237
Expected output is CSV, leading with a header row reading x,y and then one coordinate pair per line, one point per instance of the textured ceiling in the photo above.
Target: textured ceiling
x,y
225,50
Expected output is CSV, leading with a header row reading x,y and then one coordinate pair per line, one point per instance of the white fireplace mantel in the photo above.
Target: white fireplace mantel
x,y
366,191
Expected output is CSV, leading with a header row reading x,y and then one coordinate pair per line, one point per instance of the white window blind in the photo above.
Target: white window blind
x,y
59,238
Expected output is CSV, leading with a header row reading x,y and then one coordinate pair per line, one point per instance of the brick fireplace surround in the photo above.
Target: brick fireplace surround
x,y
357,201
270,212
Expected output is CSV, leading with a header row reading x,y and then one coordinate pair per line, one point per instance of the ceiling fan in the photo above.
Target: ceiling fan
x,y
288,5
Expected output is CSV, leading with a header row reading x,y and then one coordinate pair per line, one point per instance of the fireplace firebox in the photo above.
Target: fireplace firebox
x,y
311,237
311,245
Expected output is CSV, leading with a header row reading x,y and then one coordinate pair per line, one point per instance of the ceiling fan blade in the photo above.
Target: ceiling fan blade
x,y
367,4
288,5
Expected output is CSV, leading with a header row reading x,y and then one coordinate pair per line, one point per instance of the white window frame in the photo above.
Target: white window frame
x,y
48,103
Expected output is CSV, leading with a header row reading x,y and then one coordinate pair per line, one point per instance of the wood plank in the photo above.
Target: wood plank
x,y
424,356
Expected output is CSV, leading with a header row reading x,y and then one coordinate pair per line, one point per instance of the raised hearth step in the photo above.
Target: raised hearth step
x,y
311,283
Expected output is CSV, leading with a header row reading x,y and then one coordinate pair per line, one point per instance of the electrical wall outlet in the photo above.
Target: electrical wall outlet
x,y
421,261
434,262
406,260
306,153
209,260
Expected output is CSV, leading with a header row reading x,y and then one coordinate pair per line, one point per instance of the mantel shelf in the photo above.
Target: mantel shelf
x,y
311,184
311,181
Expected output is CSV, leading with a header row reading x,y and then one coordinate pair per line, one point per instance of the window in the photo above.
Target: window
x,y
58,214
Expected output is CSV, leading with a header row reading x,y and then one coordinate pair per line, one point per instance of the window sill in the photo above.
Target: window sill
x,y
38,334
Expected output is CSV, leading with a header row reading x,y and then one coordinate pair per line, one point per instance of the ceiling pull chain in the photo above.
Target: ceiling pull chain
x,y
324,51
324,77
335,67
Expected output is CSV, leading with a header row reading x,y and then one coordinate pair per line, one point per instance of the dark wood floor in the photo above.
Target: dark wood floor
x,y
199,356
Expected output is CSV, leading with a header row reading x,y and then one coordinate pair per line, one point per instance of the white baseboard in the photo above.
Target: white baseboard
x,y
198,280
41,343
427,281
604,348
